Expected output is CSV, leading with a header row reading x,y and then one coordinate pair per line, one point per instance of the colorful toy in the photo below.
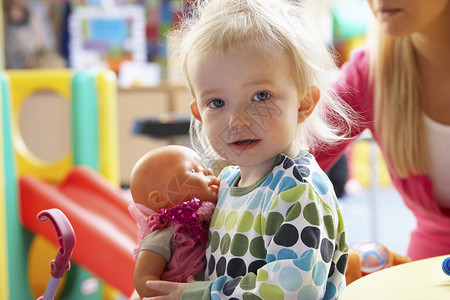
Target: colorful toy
x,y
18,164
66,241
446,266
369,256
166,185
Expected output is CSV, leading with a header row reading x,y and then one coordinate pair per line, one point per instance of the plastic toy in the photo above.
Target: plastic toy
x,y
446,266
66,241
166,185
87,197
369,256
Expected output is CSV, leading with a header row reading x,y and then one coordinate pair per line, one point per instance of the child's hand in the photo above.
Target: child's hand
x,y
173,290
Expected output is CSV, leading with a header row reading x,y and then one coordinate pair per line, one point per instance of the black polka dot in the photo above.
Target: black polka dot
x,y
255,265
211,265
311,236
230,286
342,263
326,250
332,268
236,267
220,268
300,172
287,236
287,164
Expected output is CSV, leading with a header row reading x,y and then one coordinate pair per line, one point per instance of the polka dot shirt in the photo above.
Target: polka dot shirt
x,y
282,238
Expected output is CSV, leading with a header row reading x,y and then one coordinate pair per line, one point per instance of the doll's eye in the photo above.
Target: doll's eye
x,y
192,171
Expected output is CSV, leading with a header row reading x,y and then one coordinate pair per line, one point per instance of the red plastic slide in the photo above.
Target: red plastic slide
x,y
105,231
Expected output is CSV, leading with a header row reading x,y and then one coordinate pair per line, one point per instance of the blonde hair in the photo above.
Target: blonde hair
x,y
398,107
218,25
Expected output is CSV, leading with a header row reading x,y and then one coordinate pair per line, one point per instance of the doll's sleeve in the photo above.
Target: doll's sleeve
x,y
159,241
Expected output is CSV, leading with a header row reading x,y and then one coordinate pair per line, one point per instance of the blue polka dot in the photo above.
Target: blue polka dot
x,y
320,183
268,180
319,273
306,261
255,201
286,183
265,201
270,258
218,283
273,267
308,292
273,185
330,291
287,254
290,279
237,202
215,297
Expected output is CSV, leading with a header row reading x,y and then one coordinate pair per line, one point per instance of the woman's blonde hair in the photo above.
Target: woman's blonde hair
x,y
218,25
398,107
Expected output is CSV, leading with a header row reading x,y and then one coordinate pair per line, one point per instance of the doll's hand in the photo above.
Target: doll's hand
x,y
173,290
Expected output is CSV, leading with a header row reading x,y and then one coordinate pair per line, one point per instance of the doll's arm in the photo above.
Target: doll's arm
x,y
149,266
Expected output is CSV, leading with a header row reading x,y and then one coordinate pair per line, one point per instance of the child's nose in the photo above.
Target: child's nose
x,y
240,119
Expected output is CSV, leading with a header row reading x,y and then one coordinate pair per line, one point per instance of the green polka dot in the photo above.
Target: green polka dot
x,y
250,296
208,242
311,194
270,291
292,195
245,222
340,226
311,214
274,203
293,212
327,208
230,221
239,245
225,244
343,247
259,225
263,275
214,217
248,282
215,240
329,225
274,221
257,248
220,220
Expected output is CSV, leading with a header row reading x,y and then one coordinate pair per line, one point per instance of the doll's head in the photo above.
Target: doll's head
x,y
169,175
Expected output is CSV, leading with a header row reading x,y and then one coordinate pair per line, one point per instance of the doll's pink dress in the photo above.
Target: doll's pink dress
x,y
191,222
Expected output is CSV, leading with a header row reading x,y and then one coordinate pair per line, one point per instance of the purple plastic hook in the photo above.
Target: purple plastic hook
x,y
66,240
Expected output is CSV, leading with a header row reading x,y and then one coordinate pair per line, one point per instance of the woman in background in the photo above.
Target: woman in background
x,y
400,86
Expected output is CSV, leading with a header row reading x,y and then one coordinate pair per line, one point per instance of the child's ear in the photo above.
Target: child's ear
x,y
156,200
194,110
307,104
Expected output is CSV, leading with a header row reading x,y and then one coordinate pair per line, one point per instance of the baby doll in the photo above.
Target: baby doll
x,y
174,198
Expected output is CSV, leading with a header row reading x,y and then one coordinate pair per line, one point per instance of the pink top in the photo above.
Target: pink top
x,y
188,243
431,237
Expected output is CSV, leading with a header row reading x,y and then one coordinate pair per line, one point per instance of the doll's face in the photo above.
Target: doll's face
x,y
192,179
169,175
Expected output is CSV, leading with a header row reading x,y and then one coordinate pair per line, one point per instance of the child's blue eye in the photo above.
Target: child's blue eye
x,y
261,96
192,170
216,103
